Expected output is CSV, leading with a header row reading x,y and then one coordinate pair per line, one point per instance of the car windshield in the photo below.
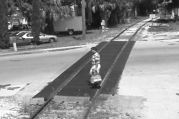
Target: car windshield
x,y
15,33
29,34
21,34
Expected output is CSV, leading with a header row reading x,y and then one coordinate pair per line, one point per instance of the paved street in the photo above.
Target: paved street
x,y
37,70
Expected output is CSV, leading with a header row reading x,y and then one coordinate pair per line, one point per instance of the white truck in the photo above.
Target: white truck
x,y
69,25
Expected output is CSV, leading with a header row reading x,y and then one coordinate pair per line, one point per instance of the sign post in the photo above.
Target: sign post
x,y
13,39
83,19
152,16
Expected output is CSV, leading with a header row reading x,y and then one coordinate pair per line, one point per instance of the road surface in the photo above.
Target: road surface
x,y
34,71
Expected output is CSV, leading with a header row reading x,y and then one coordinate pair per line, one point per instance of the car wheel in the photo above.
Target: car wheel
x,y
51,40
70,32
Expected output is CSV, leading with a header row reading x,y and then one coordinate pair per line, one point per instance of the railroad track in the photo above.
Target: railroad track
x,y
73,86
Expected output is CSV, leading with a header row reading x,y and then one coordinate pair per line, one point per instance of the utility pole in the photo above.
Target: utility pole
x,y
83,19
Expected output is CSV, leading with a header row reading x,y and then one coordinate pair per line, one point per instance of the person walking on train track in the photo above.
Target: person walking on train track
x,y
95,61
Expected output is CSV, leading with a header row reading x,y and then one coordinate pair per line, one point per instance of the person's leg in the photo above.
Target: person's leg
x,y
98,68
91,70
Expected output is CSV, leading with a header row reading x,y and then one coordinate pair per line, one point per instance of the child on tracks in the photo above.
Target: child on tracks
x,y
95,61
95,69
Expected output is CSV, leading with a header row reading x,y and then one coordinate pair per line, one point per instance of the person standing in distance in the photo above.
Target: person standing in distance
x,y
95,61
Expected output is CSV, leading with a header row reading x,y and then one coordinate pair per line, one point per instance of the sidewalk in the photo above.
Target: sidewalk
x,y
150,81
93,37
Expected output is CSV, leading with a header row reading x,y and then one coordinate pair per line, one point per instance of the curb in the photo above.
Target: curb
x,y
43,50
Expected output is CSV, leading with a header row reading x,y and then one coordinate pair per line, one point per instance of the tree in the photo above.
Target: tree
x,y
11,7
119,9
26,9
118,12
146,7
173,4
36,20
55,9
4,36
51,9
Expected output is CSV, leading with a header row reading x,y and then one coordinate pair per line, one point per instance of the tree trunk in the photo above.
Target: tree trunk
x,y
4,36
49,29
36,22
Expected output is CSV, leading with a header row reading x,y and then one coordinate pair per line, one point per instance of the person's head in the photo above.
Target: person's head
x,y
94,49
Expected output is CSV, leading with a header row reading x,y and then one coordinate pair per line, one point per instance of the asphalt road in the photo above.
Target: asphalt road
x,y
37,69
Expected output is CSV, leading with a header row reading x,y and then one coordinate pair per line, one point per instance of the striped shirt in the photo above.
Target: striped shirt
x,y
96,59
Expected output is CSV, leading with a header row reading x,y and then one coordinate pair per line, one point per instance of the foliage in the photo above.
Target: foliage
x,y
173,4
26,10
168,5
146,7
120,9
4,37
56,9
68,2
11,7
53,10
118,15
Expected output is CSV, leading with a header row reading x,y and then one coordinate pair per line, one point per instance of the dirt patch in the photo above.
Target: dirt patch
x,y
117,107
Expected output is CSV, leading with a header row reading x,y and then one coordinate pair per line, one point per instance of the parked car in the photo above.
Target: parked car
x,y
43,38
17,36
